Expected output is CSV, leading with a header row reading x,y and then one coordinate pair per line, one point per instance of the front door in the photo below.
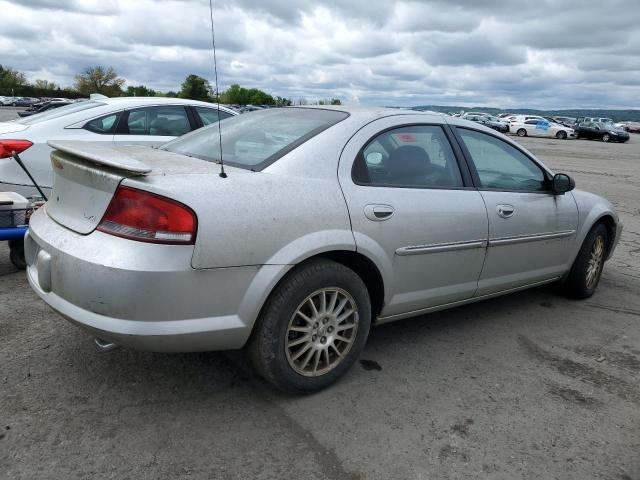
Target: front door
x,y
411,210
531,230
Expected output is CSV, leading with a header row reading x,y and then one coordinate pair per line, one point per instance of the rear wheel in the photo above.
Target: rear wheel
x,y
522,132
606,137
313,327
587,268
562,135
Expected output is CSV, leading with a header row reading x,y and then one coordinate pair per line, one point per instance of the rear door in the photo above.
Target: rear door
x,y
531,230
412,207
153,125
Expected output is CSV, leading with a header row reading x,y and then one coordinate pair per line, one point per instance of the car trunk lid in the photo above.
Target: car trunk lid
x,y
12,127
86,175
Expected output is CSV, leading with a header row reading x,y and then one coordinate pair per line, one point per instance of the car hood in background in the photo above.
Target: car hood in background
x,y
12,127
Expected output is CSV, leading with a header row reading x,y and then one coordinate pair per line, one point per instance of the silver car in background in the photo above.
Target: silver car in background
x,y
328,220
123,120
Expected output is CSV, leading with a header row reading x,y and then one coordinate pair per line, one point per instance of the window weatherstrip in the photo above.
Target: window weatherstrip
x,y
530,238
440,247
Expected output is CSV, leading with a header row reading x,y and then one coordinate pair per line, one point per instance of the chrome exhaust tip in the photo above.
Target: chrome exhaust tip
x,y
104,345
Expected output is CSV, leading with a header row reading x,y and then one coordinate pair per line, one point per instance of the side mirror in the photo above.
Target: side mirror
x,y
562,183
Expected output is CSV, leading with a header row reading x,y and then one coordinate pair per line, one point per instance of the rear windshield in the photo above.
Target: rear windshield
x,y
255,140
60,112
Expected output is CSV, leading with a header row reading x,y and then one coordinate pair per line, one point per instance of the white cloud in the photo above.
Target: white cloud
x,y
540,54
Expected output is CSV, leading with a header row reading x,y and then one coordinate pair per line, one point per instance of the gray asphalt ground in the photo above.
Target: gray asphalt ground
x,y
530,385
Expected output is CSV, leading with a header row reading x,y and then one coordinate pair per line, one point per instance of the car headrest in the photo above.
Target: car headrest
x,y
409,160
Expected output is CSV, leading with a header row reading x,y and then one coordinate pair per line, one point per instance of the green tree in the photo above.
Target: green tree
x,y
248,96
196,88
99,80
139,91
11,81
45,85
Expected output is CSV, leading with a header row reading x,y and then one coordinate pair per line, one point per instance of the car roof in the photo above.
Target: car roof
x,y
125,102
366,114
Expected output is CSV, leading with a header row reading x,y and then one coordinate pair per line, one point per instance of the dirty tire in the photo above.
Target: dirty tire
x,y
16,254
577,284
521,132
267,346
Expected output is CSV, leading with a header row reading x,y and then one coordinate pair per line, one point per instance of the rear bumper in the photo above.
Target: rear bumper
x,y
135,294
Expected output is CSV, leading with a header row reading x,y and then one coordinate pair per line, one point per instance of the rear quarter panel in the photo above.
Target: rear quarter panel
x,y
257,218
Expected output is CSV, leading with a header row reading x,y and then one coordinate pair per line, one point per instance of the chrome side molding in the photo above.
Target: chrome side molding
x,y
440,247
530,238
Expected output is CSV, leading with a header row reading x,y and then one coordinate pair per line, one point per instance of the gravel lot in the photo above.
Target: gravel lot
x,y
530,385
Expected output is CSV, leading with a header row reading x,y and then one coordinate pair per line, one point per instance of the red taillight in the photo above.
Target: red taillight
x,y
8,147
148,217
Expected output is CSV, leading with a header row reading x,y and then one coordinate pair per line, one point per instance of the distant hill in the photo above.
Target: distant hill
x,y
616,115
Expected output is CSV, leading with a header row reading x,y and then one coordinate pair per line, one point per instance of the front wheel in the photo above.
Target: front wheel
x,y
562,135
313,327
587,268
521,132
606,137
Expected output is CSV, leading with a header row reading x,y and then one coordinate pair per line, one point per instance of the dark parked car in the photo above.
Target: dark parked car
x,y
607,132
487,121
43,108
631,127
566,121
25,102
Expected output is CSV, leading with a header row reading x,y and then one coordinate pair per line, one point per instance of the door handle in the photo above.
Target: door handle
x,y
505,211
378,213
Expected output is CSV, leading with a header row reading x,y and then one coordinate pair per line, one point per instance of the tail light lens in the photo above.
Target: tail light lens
x,y
8,147
147,217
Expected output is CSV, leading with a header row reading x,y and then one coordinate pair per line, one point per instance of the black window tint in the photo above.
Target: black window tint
x,y
415,156
210,115
500,165
103,124
169,121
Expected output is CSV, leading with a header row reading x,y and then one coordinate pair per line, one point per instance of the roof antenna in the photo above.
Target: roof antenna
x,y
215,69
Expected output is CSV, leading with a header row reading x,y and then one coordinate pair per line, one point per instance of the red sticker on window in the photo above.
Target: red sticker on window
x,y
406,137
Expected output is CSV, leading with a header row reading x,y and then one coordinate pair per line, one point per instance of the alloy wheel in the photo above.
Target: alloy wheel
x,y
594,267
321,331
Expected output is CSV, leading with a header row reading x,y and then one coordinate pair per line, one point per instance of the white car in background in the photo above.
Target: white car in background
x,y
123,120
541,127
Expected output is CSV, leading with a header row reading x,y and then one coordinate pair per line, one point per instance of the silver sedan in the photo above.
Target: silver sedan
x,y
325,222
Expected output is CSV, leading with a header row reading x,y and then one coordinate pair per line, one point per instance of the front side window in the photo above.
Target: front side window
x,y
168,121
255,140
102,125
210,115
500,165
418,156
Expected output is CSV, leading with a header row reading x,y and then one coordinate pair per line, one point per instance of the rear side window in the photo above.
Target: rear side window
x,y
103,125
169,121
210,115
417,156
254,140
500,165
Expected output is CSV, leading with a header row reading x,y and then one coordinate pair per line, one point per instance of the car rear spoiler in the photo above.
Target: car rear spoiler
x,y
102,154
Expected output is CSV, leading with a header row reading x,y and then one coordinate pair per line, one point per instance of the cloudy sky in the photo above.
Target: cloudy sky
x,y
539,54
